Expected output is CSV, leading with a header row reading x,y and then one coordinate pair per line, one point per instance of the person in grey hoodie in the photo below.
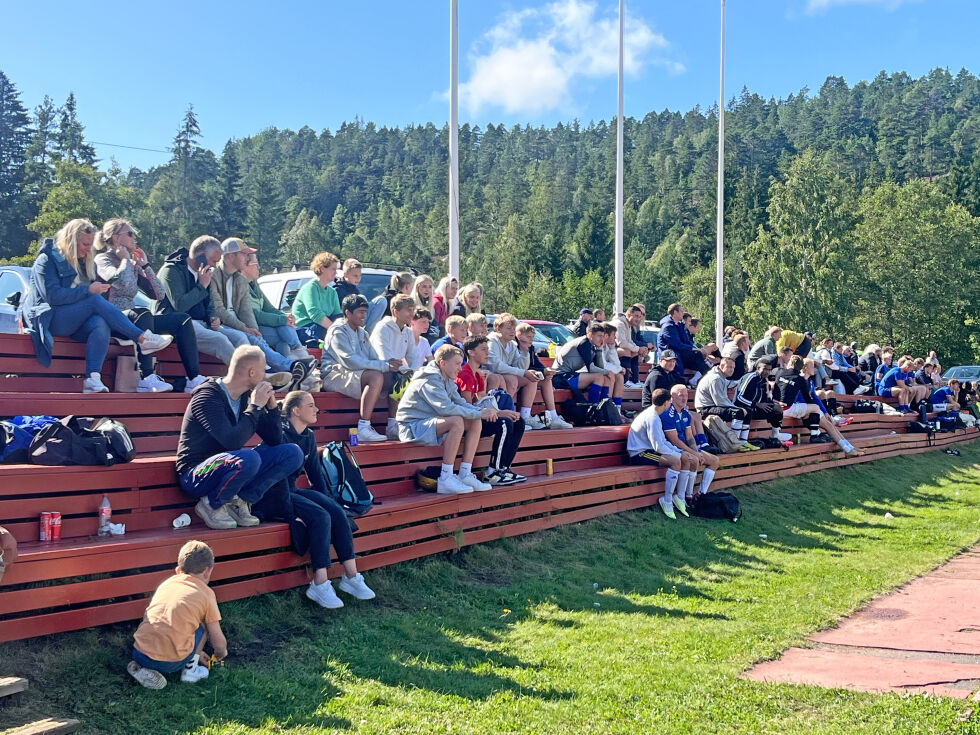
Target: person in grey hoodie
x,y
711,399
349,365
432,412
505,360
765,346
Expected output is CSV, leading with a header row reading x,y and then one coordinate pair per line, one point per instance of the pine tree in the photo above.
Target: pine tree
x,y
70,138
14,139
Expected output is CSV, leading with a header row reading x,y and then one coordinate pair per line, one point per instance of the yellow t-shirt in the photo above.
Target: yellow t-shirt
x,y
180,605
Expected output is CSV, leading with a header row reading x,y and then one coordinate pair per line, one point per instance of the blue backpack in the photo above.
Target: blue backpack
x,y
344,481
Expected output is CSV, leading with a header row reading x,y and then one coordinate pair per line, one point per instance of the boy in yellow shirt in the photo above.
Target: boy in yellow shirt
x,y
180,618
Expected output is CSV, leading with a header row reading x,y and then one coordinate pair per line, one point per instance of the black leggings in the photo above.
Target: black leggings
x,y
506,439
727,413
177,324
768,412
850,381
327,523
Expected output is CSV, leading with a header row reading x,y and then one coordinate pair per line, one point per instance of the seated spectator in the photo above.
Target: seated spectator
x,y
469,300
800,343
784,355
844,368
630,345
444,301
711,399
927,374
125,268
315,519
947,397
795,392
223,414
673,336
845,380
8,550
529,361
393,342
599,314
897,383
476,324
710,350
507,430
765,346
870,359
610,359
350,366
753,395
886,364
422,293
663,376
347,283
276,327
678,425
504,360
186,278
582,323
233,306
64,300
646,444
432,412
578,365
380,306
317,306
422,353
456,332
736,349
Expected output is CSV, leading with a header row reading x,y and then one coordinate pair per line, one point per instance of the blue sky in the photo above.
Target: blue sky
x,y
248,65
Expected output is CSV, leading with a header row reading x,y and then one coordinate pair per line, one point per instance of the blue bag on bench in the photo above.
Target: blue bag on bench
x,y
344,480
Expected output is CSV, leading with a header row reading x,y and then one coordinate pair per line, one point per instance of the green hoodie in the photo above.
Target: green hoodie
x,y
265,313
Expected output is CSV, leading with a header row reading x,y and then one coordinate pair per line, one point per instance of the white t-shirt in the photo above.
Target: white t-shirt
x,y
421,355
647,434
392,343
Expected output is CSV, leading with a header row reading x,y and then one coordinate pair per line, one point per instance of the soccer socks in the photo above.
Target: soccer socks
x,y
552,415
447,471
670,482
592,393
689,490
682,478
701,440
618,401
741,429
465,468
774,432
603,392
525,412
707,475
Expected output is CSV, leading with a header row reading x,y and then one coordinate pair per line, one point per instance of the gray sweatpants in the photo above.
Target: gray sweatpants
x,y
220,343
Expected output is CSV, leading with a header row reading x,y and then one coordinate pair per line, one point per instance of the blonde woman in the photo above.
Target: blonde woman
x,y
125,268
444,301
470,300
65,300
422,294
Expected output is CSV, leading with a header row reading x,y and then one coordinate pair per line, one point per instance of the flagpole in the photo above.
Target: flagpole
x,y
720,223
618,296
453,139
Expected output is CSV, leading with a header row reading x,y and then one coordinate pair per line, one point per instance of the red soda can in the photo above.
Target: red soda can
x,y
55,526
45,534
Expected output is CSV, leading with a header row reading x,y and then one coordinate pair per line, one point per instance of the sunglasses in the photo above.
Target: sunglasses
x,y
128,233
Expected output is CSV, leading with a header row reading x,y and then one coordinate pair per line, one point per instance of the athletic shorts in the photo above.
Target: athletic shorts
x,y
797,410
338,379
565,380
422,431
651,457
886,392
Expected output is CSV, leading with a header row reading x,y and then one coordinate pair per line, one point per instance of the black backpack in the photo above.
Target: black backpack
x,y
717,505
603,413
863,405
71,441
918,427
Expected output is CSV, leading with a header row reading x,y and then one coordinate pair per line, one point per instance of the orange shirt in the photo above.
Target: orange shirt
x,y
179,607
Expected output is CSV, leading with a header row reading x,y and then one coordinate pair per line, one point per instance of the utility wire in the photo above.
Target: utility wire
x,y
131,147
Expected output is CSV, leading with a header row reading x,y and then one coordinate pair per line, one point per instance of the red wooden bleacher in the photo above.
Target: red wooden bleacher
x,y
84,580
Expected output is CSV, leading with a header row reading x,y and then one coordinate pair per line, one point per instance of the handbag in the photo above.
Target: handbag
x,y
127,373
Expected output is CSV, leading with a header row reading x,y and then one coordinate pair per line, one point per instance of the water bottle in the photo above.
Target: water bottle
x,y
105,516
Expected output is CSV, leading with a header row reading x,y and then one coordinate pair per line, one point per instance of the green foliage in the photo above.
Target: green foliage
x,y
14,140
82,191
553,300
307,237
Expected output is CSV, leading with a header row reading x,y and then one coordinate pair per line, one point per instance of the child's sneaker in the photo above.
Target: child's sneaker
x,y
355,586
193,671
324,596
149,678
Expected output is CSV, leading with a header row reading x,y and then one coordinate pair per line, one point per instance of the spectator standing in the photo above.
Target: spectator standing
x,y
582,323
316,306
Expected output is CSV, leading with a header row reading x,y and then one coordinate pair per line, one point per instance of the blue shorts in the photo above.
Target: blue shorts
x,y
168,667
886,392
565,380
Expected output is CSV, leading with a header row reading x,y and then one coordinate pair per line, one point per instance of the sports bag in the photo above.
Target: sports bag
x,y
70,441
118,438
344,481
721,434
717,505
863,405
917,427
14,443
603,413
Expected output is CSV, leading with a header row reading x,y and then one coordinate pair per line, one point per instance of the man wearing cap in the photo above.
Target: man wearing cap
x,y
233,307
664,377
579,327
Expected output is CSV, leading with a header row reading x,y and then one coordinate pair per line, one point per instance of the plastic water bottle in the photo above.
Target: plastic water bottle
x,y
105,516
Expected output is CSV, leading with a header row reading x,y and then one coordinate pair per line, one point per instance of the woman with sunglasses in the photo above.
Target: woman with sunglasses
x,y
124,267
65,300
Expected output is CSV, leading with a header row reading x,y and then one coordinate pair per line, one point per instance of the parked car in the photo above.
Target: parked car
x,y
969,373
14,280
545,333
281,288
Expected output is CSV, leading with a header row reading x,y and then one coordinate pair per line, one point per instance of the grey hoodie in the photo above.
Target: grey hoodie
x,y
430,395
504,358
712,390
349,348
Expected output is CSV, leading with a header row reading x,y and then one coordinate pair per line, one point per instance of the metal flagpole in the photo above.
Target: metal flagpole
x,y
618,297
720,224
453,139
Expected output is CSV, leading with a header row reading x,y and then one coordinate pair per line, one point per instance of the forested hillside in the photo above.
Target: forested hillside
x,y
853,209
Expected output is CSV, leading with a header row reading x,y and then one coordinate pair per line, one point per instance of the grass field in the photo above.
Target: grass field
x,y
625,624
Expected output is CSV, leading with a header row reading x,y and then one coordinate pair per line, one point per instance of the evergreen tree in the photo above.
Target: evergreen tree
x,y
70,138
14,139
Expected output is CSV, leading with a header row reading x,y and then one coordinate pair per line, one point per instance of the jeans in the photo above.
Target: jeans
x,y
92,320
277,362
175,323
311,334
282,338
247,473
212,342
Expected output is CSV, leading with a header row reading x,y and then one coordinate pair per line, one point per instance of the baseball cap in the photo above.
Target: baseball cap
x,y
235,245
668,355
585,311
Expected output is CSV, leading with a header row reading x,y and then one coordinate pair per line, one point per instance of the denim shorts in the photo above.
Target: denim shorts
x,y
168,667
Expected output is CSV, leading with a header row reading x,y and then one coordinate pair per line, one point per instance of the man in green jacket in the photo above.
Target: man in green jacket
x,y
277,327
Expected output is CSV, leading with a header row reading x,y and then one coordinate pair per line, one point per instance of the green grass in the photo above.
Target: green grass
x,y
513,637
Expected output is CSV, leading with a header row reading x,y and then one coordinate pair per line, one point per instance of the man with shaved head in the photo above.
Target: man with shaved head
x,y
677,424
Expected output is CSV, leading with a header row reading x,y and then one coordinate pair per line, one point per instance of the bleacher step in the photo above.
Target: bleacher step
x,y
47,726
10,685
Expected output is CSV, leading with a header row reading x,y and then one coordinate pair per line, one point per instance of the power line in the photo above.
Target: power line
x,y
131,147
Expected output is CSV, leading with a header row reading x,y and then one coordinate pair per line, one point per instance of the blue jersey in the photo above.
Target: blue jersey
x,y
942,395
668,419
891,378
674,420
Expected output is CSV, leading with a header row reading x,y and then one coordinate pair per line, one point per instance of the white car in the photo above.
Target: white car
x,y
281,288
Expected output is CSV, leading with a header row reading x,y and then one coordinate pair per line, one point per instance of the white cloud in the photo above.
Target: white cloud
x,y
527,62
818,6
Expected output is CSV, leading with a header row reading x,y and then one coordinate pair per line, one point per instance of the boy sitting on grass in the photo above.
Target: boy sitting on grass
x,y
179,620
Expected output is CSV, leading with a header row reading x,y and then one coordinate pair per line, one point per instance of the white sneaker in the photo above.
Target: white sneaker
x,y
149,678
194,672
356,587
631,384
93,384
324,596
861,389
559,423
153,383
300,353
534,423
369,435
154,342
452,485
475,482
193,383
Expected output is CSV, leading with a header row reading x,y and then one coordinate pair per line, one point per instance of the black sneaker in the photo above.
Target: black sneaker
x,y
821,439
495,477
299,370
512,476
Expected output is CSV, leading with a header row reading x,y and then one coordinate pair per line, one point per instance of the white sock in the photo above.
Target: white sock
x,y
363,424
670,482
845,445
465,468
707,475
447,471
743,435
689,490
96,376
552,415
682,477
737,425
774,432
526,412
696,378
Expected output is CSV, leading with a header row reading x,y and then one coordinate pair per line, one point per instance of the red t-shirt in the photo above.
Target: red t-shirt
x,y
470,381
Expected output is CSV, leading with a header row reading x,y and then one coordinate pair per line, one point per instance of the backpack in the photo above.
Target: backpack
x,y
603,413
768,442
863,405
717,505
721,435
117,435
344,480
918,427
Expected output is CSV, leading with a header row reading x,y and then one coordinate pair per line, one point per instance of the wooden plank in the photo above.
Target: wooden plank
x,y
10,685
47,726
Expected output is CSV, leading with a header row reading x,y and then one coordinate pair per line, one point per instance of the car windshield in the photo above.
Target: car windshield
x,y
373,284
554,333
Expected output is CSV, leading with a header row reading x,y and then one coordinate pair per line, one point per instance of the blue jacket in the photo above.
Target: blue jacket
x,y
676,337
51,285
